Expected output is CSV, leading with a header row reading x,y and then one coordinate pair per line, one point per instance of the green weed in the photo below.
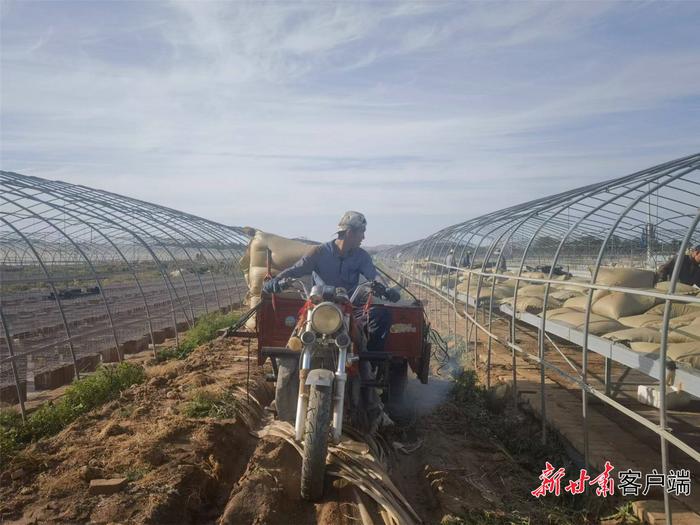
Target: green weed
x,y
203,331
210,404
81,397
624,515
520,436
486,518
136,473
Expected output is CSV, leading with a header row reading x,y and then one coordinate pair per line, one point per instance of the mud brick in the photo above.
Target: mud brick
x,y
88,363
169,332
182,326
8,393
107,486
142,344
129,347
158,336
110,355
54,377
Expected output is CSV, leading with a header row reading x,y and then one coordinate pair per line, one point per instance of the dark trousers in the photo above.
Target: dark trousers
x,y
376,324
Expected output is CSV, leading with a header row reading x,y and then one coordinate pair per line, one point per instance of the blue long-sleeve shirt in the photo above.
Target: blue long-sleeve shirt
x,y
335,270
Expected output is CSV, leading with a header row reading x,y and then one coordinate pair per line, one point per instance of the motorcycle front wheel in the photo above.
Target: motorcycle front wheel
x,y
318,419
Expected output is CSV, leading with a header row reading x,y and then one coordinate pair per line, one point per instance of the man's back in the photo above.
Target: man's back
x,y
334,268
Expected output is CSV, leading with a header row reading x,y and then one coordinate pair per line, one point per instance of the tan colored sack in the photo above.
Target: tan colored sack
x,y
676,322
645,335
553,314
638,321
602,327
681,289
563,295
534,275
502,292
597,323
677,309
499,292
255,277
532,305
285,252
691,332
580,302
619,304
576,318
645,348
686,353
569,285
625,277
531,290
510,283
685,320
253,301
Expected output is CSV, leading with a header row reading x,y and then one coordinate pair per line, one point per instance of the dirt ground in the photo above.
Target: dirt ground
x,y
205,470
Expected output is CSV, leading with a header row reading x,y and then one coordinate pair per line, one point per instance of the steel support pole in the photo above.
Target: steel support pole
x,y
13,365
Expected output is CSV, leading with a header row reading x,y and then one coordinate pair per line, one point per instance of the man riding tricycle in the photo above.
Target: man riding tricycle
x,y
335,347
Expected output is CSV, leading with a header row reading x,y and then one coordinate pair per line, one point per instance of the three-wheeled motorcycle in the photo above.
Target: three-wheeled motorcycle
x,y
318,327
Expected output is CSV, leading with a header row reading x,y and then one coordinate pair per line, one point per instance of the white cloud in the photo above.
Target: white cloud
x,y
228,109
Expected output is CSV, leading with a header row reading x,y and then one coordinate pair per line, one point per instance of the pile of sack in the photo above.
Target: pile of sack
x,y
630,319
283,254
530,297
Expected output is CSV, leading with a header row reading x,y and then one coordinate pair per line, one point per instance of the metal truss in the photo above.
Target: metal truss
x,y
639,220
84,272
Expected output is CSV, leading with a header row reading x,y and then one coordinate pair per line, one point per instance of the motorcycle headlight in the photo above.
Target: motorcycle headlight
x,y
326,318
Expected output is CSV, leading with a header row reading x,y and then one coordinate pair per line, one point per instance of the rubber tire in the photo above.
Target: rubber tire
x,y
398,377
318,421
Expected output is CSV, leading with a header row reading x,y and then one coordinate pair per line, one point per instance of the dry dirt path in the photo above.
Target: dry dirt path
x,y
180,469
204,470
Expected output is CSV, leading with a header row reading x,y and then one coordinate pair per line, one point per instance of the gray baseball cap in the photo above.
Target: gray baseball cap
x,y
352,219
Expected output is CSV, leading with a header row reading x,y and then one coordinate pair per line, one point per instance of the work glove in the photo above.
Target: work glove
x,y
393,295
271,286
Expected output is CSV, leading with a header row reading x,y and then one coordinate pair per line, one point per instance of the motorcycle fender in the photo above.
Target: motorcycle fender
x,y
320,377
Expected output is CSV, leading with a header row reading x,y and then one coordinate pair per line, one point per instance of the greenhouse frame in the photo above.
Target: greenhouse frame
x,y
576,272
87,276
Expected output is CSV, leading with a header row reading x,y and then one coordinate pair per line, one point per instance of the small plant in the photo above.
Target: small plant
x,y
81,397
10,424
210,404
624,515
167,353
135,473
204,330
520,437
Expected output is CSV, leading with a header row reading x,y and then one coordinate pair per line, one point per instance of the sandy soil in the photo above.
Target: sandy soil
x,y
205,470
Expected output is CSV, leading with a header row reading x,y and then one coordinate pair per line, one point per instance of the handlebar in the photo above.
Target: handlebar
x,y
289,282
376,288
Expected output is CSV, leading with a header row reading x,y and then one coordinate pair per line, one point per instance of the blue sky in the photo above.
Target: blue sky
x,y
281,115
